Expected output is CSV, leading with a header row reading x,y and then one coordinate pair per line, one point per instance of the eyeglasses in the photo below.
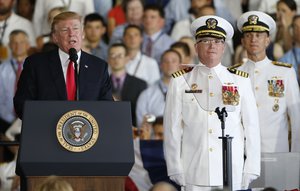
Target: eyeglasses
x,y
211,41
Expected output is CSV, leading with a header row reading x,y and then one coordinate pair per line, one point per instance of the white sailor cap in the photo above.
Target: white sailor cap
x,y
211,26
256,21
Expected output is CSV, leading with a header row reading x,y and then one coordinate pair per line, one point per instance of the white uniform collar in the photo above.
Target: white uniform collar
x,y
217,69
261,63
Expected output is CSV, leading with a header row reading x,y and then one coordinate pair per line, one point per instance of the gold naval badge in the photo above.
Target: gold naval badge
x,y
77,131
276,105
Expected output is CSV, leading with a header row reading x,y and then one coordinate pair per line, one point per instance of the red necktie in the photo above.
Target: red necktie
x,y
70,82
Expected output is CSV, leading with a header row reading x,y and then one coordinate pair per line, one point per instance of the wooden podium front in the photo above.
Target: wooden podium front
x,y
83,183
103,167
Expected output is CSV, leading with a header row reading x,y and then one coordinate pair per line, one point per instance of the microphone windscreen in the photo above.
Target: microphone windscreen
x,y
73,54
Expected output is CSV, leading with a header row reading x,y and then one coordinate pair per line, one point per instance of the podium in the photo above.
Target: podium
x,y
103,167
279,170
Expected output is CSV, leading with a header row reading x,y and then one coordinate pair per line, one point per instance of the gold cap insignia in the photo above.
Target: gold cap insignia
x,y
252,19
211,23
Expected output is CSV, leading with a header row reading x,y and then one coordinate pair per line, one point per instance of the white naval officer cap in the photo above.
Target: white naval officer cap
x,y
211,26
256,21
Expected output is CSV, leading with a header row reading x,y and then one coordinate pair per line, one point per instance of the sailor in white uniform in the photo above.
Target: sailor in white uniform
x,y
274,85
193,150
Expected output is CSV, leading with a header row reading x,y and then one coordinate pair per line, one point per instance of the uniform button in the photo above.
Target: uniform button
x,y
210,77
256,71
210,131
210,113
257,105
210,149
193,99
256,88
211,94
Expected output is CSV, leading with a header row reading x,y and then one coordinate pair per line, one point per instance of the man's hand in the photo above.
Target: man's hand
x,y
247,179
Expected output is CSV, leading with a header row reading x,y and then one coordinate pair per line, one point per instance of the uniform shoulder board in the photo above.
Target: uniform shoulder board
x,y
238,72
236,65
181,72
282,64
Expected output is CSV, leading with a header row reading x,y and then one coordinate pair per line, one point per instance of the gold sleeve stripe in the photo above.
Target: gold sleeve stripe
x,y
238,72
181,72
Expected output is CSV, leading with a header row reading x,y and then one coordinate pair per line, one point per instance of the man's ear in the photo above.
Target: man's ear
x,y
242,41
54,37
268,41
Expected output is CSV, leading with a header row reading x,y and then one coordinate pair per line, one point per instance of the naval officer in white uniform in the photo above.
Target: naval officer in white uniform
x,y
193,151
274,85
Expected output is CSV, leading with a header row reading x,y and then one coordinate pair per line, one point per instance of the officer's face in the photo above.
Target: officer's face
x,y
256,43
210,50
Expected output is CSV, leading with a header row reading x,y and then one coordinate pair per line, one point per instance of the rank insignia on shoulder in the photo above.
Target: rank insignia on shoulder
x,y
181,72
238,72
282,64
236,65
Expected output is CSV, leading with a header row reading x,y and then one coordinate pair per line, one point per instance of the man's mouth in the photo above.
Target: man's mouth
x,y
72,42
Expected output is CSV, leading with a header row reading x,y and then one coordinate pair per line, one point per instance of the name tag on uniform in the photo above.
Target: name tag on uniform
x,y
193,89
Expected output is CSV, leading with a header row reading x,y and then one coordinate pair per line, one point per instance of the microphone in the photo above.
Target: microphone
x,y
73,57
73,54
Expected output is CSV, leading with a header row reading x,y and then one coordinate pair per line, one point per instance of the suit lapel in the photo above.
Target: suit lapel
x,y
83,72
57,74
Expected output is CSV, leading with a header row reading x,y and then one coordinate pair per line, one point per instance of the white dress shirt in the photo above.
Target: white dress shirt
x,y
143,67
64,60
16,22
151,101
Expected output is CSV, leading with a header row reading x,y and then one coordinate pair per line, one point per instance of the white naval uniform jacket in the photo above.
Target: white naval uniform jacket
x,y
191,143
274,124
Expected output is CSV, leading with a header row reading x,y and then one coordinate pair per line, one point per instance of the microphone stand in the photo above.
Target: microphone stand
x,y
76,80
226,151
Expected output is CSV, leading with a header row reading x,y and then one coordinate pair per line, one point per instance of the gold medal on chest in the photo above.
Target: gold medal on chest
x,y
275,107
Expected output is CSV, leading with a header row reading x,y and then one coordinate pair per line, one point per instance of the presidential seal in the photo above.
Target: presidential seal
x,y
77,131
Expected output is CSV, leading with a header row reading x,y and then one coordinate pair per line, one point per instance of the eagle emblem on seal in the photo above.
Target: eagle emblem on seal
x,y
77,131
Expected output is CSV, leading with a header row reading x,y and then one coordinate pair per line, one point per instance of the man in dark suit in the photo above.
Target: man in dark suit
x,y
50,75
125,86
